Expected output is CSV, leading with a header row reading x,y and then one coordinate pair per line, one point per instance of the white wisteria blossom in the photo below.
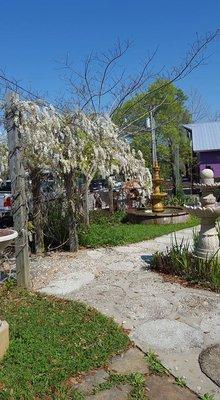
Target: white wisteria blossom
x,y
3,161
37,125
136,169
92,145
119,157
75,145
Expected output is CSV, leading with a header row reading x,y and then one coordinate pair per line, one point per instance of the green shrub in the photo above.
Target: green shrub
x,y
56,224
181,199
101,217
180,261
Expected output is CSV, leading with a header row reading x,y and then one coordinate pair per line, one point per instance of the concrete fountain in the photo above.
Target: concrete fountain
x,y
209,211
6,236
158,213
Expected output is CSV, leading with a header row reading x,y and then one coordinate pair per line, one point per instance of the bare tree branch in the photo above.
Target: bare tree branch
x,y
197,106
100,82
87,81
118,53
138,82
194,57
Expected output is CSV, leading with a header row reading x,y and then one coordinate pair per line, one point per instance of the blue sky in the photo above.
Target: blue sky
x,y
35,34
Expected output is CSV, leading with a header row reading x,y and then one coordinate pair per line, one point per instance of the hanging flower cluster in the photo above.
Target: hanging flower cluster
x,y
3,160
76,142
91,145
137,170
119,157
38,126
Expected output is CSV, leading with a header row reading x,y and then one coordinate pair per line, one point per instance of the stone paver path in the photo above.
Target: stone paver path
x,y
155,387
177,322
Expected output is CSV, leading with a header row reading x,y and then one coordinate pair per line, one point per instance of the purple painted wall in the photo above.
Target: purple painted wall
x,y
212,159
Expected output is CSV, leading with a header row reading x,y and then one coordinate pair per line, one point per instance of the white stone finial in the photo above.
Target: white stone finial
x,y
207,176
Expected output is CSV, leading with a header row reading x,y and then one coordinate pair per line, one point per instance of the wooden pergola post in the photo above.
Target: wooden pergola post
x,y
19,207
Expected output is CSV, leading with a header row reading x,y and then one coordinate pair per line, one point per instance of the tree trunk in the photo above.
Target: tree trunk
x,y
176,167
111,198
86,203
70,195
38,221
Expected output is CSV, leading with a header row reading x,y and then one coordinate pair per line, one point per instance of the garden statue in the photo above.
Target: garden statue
x,y
209,210
6,236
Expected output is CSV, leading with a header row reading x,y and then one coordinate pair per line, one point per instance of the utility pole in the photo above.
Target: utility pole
x,y
153,137
19,207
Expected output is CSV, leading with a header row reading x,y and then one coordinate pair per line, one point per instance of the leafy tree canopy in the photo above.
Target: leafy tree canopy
x,y
170,113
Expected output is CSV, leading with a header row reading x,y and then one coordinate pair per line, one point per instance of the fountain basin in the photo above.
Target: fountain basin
x,y
171,215
6,236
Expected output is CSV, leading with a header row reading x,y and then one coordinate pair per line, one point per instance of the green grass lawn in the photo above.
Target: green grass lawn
x,y
50,341
112,231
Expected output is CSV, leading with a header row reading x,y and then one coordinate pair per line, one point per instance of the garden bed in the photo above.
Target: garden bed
x,y
179,264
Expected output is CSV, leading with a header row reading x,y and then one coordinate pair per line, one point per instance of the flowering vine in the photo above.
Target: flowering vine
x,y
74,145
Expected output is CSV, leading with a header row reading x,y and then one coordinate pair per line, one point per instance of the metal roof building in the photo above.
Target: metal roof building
x,y
205,136
206,143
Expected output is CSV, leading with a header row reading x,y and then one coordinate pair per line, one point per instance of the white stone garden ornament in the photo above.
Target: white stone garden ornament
x,y
208,211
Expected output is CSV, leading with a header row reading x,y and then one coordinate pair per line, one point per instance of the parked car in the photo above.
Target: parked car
x,y
97,184
118,185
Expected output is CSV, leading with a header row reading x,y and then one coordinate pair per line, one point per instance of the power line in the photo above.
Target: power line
x,y
18,86
44,102
9,81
